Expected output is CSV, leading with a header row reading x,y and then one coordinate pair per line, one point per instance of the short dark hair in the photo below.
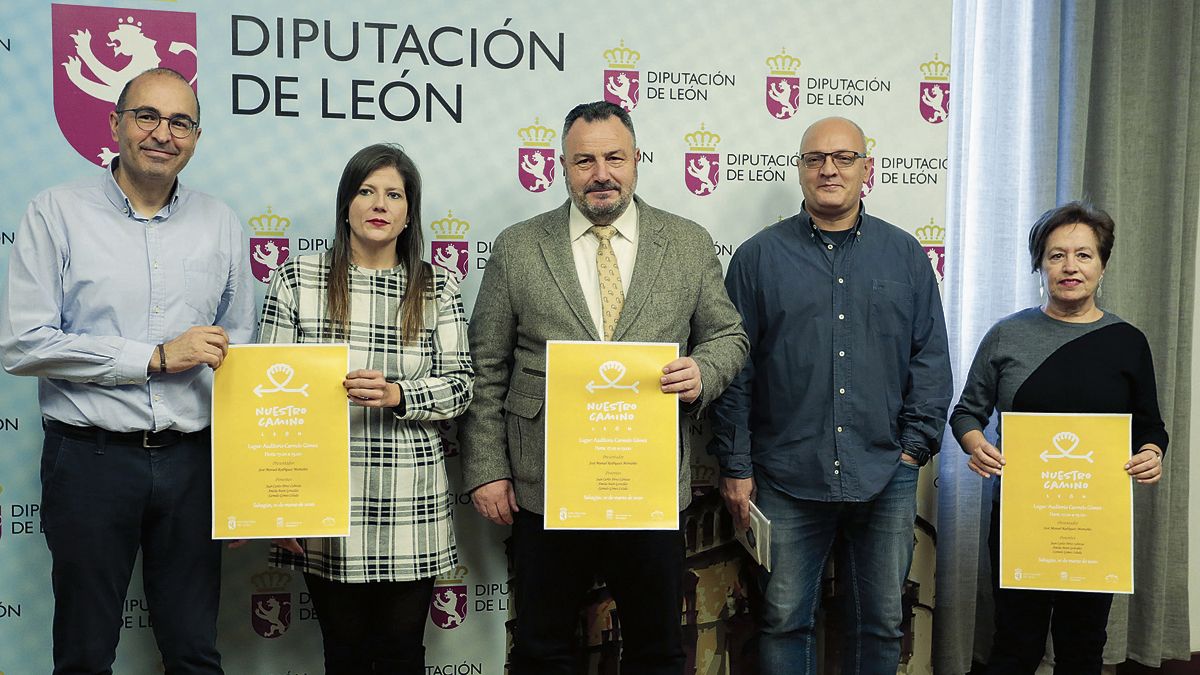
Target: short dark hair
x,y
170,72
1068,214
597,111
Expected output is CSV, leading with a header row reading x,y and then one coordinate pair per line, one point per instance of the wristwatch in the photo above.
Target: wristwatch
x,y
922,455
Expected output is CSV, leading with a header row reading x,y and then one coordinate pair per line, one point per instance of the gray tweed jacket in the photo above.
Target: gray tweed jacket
x,y
530,293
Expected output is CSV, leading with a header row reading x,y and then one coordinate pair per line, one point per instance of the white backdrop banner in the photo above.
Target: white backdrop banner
x,y
476,93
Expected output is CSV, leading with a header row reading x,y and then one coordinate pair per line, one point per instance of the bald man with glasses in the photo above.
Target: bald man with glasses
x,y
124,292
841,401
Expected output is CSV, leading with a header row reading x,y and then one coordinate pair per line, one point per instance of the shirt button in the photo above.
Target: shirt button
x,y
836,472
836,463
841,280
158,397
839,430
842,391
155,264
841,317
829,246
841,353
157,310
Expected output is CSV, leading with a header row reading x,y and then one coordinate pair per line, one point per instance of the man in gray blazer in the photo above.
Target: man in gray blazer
x,y
552,277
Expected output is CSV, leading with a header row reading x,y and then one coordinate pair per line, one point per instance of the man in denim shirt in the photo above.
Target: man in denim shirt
x,y
843,398
125,289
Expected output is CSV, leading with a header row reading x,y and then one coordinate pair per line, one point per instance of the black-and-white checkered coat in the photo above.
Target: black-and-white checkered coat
x,y
400,506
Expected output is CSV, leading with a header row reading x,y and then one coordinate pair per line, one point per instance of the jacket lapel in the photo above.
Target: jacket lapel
x,y
652,248
556,249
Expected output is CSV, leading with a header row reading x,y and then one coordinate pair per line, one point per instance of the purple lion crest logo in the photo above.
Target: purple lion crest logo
x,y
88,80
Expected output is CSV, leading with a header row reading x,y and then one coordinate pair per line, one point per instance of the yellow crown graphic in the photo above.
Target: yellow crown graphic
x,y
931,235
450,227
783,63
271,580
936,69
453,577
269,224
870,144
702,140
622,57
537,136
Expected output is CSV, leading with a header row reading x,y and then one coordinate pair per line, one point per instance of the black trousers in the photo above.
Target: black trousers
x,y
643,570
102,500
1076,621
373,627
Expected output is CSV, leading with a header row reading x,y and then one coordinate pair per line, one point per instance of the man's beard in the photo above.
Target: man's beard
x,y
604,214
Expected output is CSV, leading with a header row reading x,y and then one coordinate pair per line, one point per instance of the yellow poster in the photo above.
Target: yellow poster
x,y
1066,503
612,437
281,442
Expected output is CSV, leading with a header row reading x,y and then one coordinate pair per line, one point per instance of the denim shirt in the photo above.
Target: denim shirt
x,y
93,287
848,360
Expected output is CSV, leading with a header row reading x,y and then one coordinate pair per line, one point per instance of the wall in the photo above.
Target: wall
x,y
473,90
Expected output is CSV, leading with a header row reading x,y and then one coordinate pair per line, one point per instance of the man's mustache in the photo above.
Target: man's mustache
x,y
600,187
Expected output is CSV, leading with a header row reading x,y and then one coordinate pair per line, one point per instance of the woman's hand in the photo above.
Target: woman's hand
x,y
368,389
1146,465
986,460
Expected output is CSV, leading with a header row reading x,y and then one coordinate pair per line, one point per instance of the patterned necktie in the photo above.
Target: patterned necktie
x,y
612,293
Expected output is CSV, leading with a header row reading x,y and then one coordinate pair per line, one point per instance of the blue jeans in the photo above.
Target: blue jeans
x,y
874,544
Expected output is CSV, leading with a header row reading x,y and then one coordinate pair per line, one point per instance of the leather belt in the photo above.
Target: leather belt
x,y
145,439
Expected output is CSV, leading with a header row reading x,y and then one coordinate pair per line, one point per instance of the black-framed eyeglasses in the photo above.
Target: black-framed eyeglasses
x,y
148,119
843,159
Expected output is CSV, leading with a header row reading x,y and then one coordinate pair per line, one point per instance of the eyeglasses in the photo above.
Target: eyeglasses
x,y
148,119
843,159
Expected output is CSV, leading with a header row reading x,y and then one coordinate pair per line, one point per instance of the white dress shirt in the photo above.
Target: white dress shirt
x,y
584,246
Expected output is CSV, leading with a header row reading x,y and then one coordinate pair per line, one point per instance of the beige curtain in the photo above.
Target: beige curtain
x,y
1055,101
1137,66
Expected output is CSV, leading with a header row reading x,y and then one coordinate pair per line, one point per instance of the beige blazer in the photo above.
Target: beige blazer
x,y
530,293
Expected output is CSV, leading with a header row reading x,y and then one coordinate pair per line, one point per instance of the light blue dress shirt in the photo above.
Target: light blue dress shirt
x,y
93,287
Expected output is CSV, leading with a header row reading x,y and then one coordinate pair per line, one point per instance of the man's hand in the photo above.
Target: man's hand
x,y
197,345
368,389
496,501
682,376
737,493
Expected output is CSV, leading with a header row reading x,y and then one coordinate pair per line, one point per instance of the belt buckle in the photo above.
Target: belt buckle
x,y
155,439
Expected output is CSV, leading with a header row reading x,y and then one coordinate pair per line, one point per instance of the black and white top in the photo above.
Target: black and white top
x,y
1030,362
400,506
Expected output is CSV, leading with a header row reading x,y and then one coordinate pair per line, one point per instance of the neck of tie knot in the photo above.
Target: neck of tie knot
x,y
603,232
